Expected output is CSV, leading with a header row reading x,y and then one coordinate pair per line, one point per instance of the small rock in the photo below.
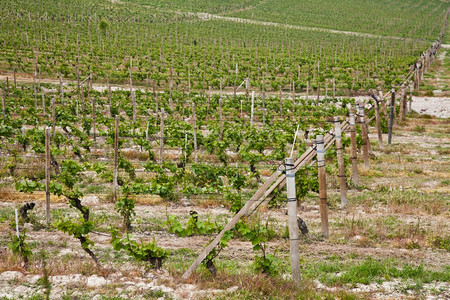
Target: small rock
x,y
90,200
96,281
163,289
21,290
285,276
32,278
10,275
28,226
115,276
56,293
66,252
66,279
8,296
232,289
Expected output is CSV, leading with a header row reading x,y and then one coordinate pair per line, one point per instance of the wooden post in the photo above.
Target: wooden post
x,y
131,76
194,128
61,89
340,160
354,149
263,104
83,102
182,103
235,82
16,213
322,185
15,83
307,90
78,81
391,116
133,99
326,88
47,176
7,86
404,103
252,108
383,103
378,123
109,94
53,119
334,88
4,101
170,84
189,80
155,96
35,90
247,87
281,104
221,118
43,103
362,122
161,137
209,100
116,156
416,78
293,96
318,93
94,125
410,97
400,115
293,226
39,77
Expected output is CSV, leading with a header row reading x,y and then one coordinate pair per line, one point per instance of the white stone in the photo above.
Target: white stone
x,y
66,252
56,292
32,278
188,287
10,275
66,279
28,226
21,290
5,295
96,281
232,289
163,289
90,200
115,276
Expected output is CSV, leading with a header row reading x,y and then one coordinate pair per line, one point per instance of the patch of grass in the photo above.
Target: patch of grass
x,y
425,116
93,189
340,271
419,128
440,242
404,200
258,286
443,150
6,213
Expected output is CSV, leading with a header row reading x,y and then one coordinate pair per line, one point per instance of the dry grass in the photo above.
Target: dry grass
x,y
9,195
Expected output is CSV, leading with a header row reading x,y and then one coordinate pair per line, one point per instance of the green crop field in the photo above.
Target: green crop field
x,y
133,131
387,17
